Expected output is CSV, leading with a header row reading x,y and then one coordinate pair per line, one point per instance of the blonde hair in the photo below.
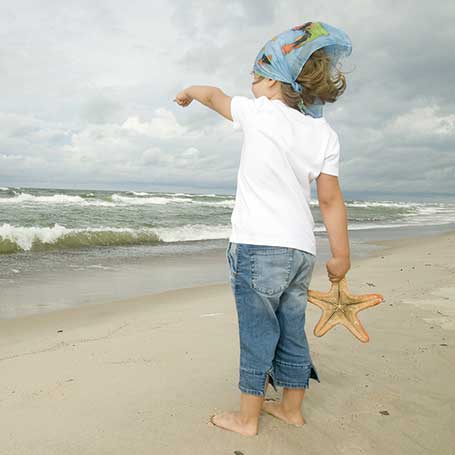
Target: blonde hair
x,y
318,80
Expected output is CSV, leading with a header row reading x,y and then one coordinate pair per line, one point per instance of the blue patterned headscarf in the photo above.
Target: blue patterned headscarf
x,y
282,58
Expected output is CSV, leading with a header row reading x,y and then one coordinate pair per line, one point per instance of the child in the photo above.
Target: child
x,y
272,249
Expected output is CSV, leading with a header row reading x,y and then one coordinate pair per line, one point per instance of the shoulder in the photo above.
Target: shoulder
x,y
249,102
326,125
245,109
326,129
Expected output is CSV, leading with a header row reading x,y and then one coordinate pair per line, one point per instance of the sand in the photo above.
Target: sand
x,y
143,375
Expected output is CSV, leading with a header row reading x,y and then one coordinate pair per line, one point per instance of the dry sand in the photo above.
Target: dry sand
x,y
142,376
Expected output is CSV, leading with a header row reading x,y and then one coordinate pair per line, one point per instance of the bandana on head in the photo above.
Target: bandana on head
x,y
283,57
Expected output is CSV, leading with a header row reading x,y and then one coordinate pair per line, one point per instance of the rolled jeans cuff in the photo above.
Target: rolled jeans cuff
x,y
294,375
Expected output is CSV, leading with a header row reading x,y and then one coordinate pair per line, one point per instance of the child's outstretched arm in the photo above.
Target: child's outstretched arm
x,y
212,97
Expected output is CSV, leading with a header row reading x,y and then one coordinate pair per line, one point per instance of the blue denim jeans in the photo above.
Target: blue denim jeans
x,y
270,285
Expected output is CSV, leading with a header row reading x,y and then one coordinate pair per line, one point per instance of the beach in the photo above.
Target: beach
x,y
143,375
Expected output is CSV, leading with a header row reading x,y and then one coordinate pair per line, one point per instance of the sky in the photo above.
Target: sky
x,y
87,92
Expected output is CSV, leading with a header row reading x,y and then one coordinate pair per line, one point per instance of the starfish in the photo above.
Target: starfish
x,y
341,307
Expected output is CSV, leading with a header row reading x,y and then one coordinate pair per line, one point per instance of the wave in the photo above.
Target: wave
x,y
167,200
144,200
139,193
116,199
145,193
195,195
368,204
360,226
54,199
15,239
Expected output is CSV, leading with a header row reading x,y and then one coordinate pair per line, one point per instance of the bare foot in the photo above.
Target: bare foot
x,y
231,421
272,407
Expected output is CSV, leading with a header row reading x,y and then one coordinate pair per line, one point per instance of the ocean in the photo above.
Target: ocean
x,y
64,247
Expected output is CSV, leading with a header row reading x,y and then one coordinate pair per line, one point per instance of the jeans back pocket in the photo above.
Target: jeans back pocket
x,y
270,268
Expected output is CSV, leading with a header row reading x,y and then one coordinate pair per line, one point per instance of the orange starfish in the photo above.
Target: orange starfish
x,y
341,307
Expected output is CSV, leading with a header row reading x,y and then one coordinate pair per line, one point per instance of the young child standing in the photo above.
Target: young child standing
x,y
272,250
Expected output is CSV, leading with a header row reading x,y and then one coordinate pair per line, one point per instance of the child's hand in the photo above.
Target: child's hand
x,y
337,268
183,98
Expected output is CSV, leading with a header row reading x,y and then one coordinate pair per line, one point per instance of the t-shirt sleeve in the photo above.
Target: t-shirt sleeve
x,y
243,110
331,161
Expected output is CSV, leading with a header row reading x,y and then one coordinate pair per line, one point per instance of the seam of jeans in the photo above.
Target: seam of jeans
x,y
232,261
294,365
252,371
291,385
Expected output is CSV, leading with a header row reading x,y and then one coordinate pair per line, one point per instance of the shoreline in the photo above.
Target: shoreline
x,y
119,305
87,279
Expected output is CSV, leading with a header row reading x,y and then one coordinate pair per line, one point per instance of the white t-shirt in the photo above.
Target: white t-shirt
x,y
283,151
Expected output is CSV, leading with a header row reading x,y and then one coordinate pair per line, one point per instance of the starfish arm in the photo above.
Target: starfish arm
x,y
356,328
321,303
324,323
372,301
322,295
353,299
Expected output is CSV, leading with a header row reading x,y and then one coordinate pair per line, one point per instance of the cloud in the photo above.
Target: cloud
x,y
159,150
423,122
87,91
163,125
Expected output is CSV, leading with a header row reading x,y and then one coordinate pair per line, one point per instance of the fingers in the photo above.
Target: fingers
x,y
335,278
182,102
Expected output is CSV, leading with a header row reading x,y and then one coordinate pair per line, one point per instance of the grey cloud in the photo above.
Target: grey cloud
x,y
87,91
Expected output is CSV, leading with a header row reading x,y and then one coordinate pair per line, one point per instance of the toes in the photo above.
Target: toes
x,y
214,421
